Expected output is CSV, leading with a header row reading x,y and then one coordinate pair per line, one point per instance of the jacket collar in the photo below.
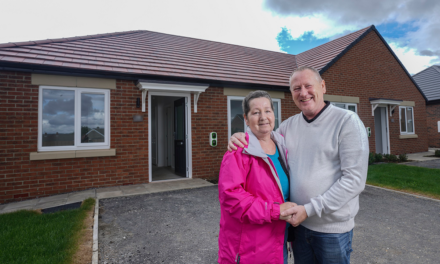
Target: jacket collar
x,y
254,148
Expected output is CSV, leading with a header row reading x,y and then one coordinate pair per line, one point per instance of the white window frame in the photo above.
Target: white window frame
x,y
77,120
406,120
346,105
240,98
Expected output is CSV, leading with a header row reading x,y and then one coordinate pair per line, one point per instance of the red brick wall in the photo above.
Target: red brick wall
x,y
432,117
211,116
369,70
22,179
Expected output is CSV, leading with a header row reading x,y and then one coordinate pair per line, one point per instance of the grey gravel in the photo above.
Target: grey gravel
x,y
170,227
182,227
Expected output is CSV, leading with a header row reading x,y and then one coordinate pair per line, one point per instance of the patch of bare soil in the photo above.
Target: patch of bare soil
x,y
85,244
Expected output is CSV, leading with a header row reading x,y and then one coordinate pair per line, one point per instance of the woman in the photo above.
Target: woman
x,y
253,187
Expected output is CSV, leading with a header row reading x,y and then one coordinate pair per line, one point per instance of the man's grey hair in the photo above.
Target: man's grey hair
x,y
302,68
254,95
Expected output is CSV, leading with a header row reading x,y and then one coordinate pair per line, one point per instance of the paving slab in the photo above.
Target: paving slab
x,y
133,189
182,227
108,189
47,204
421,156
80,196
58,197
29,204
104,195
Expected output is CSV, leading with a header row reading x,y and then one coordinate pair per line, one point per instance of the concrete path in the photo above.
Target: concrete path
x,y
68,198
182,227
421,156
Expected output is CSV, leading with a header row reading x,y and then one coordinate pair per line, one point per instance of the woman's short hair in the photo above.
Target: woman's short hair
x,y
254,95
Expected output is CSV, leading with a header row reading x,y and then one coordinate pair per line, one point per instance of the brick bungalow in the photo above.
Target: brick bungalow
x,y
429,82
139,106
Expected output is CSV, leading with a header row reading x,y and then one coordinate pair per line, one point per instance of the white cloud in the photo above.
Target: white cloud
x,y
236,22
409,58
351,15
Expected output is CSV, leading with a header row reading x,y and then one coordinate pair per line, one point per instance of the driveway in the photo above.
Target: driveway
x,y
182,227
433,164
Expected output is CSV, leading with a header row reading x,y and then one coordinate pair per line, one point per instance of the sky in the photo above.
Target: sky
x,y
411,27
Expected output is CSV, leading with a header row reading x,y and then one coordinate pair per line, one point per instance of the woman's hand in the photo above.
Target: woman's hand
x,y
284,207
238,139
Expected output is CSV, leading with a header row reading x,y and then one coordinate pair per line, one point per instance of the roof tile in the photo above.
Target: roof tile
x,y
153,53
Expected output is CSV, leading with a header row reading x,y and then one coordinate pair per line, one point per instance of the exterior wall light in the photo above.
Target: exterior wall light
x,y
138,118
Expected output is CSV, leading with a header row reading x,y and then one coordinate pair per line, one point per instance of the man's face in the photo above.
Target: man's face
x,y
308,92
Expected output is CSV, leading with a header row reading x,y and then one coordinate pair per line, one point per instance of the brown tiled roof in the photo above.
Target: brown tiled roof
x,y
322,55
147,53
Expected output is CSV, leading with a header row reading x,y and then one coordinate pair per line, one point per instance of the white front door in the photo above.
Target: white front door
x,y
381,130
161,117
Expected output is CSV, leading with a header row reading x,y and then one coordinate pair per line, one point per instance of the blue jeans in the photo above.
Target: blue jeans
x,y
323,248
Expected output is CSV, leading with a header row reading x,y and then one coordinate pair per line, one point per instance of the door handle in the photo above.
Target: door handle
x,y
181,143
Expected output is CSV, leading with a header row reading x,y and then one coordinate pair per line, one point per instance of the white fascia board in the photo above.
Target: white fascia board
x,y
164,87
387,102
171,88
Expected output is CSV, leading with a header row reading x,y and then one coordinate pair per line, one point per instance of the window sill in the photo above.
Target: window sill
x,y
408,136
72,154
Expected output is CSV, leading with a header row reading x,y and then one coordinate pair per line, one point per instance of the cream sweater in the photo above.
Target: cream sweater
x,y
328,160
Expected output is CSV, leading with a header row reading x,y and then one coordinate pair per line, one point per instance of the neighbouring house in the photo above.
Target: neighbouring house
x,y
136,107
429,82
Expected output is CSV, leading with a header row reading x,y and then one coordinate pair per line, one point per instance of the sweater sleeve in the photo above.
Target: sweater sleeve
x,y
233,197
353,155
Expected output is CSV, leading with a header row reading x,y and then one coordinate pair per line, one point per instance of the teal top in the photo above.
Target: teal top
x,y
281,174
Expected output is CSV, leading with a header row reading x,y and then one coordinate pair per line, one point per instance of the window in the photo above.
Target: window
x,y
236,121
351,107
73,119
406,115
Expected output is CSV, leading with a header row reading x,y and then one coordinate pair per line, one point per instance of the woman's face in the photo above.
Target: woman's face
x,y
261,118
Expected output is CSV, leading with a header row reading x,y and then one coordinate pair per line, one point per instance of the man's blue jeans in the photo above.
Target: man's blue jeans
x,y
311,247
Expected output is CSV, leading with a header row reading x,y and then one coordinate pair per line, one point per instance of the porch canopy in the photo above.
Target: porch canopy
x,y
392,103
171,87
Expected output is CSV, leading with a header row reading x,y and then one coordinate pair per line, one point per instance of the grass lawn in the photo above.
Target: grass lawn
x,y
30,237
410,179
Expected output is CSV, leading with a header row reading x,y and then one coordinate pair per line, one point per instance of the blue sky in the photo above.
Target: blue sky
x,y
411,27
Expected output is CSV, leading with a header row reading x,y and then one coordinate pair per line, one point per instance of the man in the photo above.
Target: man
x,y
328,162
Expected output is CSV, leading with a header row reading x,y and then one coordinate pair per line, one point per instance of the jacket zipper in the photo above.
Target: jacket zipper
x,y
275,175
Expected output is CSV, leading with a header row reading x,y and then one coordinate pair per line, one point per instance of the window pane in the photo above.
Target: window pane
x,y
92,118
402,119
277,121
352,108
58,118
237,120
340,105
410,123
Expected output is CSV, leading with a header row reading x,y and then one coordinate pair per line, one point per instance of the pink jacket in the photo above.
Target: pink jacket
x,y
250,195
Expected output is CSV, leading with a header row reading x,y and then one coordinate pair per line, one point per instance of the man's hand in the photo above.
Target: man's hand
x,y
238,139
298,213
284,207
